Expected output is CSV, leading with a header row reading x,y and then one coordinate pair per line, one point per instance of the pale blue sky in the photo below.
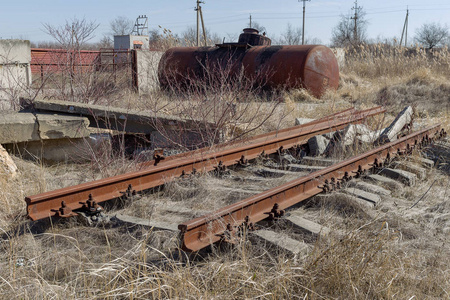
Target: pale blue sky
x,y
24,18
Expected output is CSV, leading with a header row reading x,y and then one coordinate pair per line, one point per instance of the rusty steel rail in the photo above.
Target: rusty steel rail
x,y
230,220
62,202
346,114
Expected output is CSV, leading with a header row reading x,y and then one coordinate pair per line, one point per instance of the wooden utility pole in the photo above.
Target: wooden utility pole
x,y
198,24
405,28
250,21
203,26
355,28
198,9
303,27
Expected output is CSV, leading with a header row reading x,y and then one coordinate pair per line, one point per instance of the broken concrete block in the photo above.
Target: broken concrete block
x,y
7,165
369,137
317,145
403,119
347,135
26,127
301,121
329,135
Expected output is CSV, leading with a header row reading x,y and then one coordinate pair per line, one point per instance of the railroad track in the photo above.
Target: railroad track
x,y
64,202
225,224
228,223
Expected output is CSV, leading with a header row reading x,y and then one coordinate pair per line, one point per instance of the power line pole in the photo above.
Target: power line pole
x,y
303,27
203,25
355,28
405,28
250,21
406,32
198,16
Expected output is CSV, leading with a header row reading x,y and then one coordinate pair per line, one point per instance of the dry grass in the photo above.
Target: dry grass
x,y
391,252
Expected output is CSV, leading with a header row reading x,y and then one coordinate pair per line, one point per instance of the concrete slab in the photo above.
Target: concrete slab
x,y
390,183
403,119
58,150
307,225
26,127
282,241
420,172
372,188
370,197
113,117
405,177
318,161
158,225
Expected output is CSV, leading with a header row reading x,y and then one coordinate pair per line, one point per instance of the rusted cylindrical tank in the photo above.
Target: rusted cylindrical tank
x,y
313,67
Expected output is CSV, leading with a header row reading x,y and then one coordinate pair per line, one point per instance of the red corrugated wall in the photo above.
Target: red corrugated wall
x,y
59,60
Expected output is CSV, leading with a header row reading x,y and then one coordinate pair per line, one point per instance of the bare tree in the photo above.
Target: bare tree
x,y
121,25
344,32
74,34
189,37
291,36
431,35
105,42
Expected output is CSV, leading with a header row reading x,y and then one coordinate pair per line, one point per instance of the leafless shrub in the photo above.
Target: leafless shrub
x,y
219,103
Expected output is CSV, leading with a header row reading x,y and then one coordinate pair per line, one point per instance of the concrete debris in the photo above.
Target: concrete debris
x,y
301,121
317,145
26,127
369,137
329,135
402,121
7,165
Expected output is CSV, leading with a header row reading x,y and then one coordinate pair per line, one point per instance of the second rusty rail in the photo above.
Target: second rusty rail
x,y
225,223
